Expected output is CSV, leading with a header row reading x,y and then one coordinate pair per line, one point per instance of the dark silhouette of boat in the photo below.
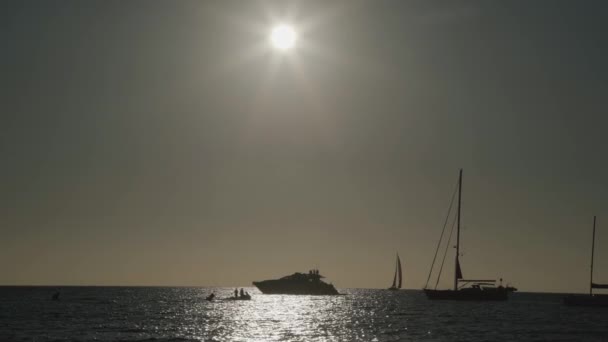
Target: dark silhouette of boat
x,y
297,284
243,297
596,300
397,278
210,297
479,289
509,288
477,292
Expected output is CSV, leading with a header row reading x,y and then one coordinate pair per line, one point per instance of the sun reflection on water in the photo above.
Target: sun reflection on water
x,y
183,314
291,318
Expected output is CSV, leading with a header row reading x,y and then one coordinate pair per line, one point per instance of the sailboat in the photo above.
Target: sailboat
x,y
591,299
480,290
398,277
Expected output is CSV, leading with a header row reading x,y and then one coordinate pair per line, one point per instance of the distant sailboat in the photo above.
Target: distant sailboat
x,y
397,279
590,299
480,290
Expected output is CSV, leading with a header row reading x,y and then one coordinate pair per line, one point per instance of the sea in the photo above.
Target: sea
x,y
183,314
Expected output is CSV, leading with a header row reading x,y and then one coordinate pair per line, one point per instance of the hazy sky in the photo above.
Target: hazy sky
x,y
166,143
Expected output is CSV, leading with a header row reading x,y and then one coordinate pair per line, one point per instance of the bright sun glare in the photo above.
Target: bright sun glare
x,y
283,37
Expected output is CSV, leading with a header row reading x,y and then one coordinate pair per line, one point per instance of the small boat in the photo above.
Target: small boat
x,y
596,300
479,289
397,277
243,297
210,297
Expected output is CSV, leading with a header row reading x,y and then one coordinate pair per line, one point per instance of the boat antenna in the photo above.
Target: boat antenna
x,y
447,217
456,265
592,250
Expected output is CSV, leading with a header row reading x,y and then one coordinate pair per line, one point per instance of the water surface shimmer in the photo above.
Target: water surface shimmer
x,y
183,314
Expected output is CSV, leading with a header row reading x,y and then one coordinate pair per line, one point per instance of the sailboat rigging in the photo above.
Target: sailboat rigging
x,y
591,299
398,277
480,289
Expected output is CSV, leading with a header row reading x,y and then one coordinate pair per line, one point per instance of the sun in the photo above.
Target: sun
x,y
283,37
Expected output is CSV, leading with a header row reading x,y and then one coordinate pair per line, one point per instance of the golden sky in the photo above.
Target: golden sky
x,y
167,143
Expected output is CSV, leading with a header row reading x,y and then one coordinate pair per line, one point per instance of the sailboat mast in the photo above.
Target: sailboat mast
x,y
592,253
456,266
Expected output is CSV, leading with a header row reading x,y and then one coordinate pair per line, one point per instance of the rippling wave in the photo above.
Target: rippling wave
x,y
183,314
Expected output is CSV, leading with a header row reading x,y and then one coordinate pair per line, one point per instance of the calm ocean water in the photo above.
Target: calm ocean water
x,y
183,314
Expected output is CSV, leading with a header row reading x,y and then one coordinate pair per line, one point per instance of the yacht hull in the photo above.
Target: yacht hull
x,y
297,284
